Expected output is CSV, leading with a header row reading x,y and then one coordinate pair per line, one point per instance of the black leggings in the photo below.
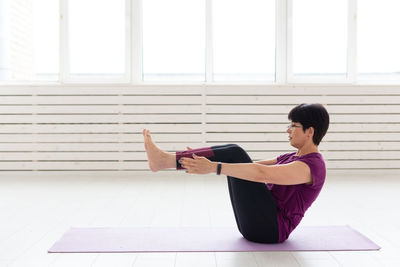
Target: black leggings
x,y
253,204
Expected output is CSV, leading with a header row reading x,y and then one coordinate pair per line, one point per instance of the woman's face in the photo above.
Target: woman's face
x,y
297,137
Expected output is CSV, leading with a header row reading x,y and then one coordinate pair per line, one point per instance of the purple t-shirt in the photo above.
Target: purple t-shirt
x,y
293,200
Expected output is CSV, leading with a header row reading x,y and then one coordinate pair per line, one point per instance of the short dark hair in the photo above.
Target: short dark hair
x,y
311,115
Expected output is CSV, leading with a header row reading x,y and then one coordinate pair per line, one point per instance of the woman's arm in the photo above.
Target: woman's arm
x,y
285,174
267,162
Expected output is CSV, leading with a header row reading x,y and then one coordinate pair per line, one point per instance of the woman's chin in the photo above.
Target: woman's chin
x,y
292,144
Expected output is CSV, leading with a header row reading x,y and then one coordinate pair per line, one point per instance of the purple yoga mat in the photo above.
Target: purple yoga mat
x,y
306,238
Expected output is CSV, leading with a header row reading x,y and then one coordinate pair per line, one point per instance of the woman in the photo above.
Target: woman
x,y
269,197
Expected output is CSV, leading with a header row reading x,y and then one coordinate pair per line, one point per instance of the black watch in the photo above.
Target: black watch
x,y
219,168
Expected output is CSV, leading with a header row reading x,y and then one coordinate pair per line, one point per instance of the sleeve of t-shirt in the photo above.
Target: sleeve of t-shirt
x,y
317,168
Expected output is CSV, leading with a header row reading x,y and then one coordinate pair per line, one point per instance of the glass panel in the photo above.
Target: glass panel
x,y
97,37
29,40
174,40
244,40
46,39
378,44
320,38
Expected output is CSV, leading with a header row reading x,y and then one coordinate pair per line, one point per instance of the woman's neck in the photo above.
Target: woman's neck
x,y
307,150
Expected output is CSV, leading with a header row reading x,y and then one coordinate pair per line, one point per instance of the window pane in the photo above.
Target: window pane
x,y
97,37
29,34
244,49
174,40
46,39
378,42
319,37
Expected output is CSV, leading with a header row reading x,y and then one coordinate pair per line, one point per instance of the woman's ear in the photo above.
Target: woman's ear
x,y
310,132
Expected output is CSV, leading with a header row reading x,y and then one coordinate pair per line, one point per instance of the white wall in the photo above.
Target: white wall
x,y
93,127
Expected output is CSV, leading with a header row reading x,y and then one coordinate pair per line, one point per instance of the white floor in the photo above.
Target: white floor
x,y
35,210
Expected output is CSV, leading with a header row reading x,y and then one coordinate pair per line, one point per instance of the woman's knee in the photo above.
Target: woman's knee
x,y
239,151
231,153
230,146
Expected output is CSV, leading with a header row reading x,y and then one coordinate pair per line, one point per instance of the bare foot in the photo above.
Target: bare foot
x,y
157,158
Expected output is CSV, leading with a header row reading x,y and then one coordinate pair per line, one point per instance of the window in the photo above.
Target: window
x,y
97,39
45,39
174,40
378,43
319,47
243,40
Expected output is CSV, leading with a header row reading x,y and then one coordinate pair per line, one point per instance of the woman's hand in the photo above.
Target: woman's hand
x,y
198,165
